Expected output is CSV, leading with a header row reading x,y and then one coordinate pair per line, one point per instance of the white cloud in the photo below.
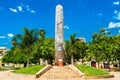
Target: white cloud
x,y
115,11
66,27
99,14
19,8
117,14
27,7
32,11
116,3
113,24
2,37
13,10
119,31
106,31
10,35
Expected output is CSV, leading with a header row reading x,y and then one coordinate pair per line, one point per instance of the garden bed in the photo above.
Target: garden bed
x,y
29,70
93,73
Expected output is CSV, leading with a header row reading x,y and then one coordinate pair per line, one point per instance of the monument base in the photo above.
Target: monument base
x,y
58,57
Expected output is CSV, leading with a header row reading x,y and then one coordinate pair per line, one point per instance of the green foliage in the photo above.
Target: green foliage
x,y
1,69
90,71
74,48
12,57
29,47
29,70
44,50
104,47
32,45
71,47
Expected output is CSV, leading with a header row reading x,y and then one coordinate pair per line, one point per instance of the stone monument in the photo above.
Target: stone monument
x,y
59,35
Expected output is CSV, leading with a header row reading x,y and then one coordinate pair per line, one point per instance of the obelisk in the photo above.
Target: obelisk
x,y
59,35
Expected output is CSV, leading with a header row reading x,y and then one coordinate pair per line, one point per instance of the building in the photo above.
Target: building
x,y
3,50
82,39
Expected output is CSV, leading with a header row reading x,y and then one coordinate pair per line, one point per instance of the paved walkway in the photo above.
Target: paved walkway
x,y
116,74
64,72
7,75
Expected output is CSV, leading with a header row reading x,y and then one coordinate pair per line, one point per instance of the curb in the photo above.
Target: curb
x,y
76,70
99,77
42,71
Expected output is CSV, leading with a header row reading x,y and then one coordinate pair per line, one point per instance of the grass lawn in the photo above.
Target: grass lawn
x,y
29,70
1,69
90,71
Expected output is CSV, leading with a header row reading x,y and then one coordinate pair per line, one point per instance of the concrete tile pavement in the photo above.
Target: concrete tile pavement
x,y
8,75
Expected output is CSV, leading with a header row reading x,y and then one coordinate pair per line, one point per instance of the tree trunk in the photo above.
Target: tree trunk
x,y
25,64
28,62
40,61
119,63
46,62
99,66
82,60
72,59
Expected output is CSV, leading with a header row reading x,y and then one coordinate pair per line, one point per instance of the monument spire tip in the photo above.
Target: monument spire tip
x,y
59,6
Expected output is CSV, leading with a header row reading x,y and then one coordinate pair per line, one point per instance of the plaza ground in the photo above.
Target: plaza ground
x,y
8,75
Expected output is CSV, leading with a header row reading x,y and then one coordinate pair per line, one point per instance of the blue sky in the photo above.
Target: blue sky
x,y
82,16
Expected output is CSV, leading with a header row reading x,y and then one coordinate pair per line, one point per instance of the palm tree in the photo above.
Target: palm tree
x,y
24,42
71,46
67,51
40,44
27,40
42,33
16,40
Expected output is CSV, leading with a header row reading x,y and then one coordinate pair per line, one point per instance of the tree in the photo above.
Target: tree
x,y
81,51
48,50
44,50
29,47
22,44
67,51
103,47
38,51
71,47
42,33
27,40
